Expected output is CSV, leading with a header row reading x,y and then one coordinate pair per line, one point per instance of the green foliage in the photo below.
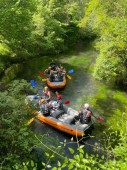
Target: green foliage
x,y
108,101
16,35
50,25
26,166
55,24
80,161
113,155
4,49
111,105
110,69
108,20
38,27
17,141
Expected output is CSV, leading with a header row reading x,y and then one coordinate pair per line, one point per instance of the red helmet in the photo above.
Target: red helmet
x,y
59,97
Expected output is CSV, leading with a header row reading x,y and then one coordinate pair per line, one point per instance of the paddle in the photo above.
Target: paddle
x,y
42,73
67,102
98,118
43,80
32,119
33,83
69,77
71,71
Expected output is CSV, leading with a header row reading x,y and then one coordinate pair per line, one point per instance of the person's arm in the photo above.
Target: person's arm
x,y
56,107
39,102
89,113
49,96
79,111
56,93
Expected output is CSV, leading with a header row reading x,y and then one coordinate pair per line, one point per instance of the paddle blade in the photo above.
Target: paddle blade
x,y
42,73
35,96
43,80
99,119
69,77
70,71
67,102
33,83
30,121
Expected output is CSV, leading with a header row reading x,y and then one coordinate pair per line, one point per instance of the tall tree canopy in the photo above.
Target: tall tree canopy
x,y
109,20
36,27
16,24
38,24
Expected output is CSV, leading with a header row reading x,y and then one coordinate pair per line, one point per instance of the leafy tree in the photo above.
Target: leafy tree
x,y
55,24
38,27
16,139
108,21
110,155
21,148
16,24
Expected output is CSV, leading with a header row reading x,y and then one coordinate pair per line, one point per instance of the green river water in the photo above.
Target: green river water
x,y
80,89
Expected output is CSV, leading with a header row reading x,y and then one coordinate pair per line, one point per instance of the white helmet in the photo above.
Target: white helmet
x,y
86,106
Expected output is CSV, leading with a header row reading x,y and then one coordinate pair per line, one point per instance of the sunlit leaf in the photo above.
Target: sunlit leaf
x,y
71,150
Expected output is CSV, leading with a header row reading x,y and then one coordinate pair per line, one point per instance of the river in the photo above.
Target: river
x,y
78,90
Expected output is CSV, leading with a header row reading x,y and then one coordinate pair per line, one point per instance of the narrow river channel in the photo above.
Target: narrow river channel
x,y
78,90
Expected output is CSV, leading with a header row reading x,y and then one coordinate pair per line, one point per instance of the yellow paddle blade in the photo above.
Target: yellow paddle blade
x,y
30,121
69,77
43,79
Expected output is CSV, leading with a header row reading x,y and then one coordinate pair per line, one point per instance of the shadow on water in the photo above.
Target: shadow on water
x,y
66,140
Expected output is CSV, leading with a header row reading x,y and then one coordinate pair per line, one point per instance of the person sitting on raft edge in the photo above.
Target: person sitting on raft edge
x,y
84,115
47,94
53,65
45,110
59,103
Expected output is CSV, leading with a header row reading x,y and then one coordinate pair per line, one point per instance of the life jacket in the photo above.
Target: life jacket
x,y
53,66
59,102
44,109
85,116
58,70
46,95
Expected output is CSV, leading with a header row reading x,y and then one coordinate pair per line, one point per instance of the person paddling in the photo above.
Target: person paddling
x,y
59,103
84,115
53,65
44,107
47,94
